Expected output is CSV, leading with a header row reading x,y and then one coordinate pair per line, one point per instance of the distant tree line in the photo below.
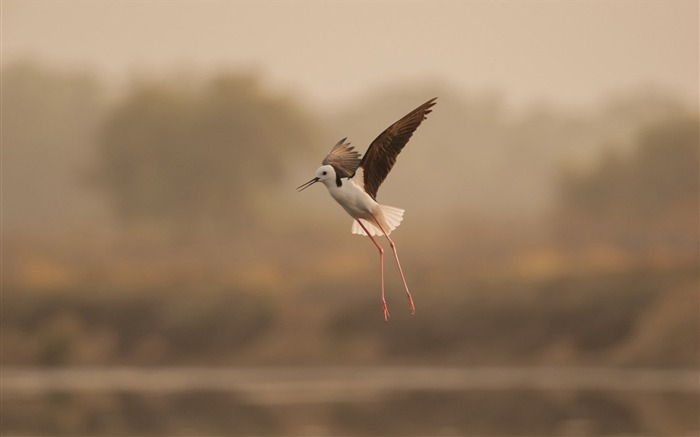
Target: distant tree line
x,y
188,156
650,196
198,158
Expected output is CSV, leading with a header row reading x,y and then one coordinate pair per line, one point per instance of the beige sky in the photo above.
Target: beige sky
x,y
565,52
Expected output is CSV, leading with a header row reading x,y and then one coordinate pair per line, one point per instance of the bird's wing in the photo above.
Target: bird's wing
x,y
343,158
381,154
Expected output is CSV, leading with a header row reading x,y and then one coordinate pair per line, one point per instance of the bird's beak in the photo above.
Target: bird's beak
x,y
306,185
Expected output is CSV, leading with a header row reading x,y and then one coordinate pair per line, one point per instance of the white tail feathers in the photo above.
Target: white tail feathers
x,y
389,217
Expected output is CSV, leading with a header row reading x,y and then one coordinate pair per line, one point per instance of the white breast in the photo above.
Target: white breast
x,y
353,199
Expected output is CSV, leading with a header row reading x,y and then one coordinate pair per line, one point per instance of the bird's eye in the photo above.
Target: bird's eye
x,y
324,173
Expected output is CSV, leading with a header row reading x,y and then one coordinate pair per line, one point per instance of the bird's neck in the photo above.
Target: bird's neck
x,y
338,184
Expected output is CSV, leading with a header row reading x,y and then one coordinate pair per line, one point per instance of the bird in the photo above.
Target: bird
x,y
353,182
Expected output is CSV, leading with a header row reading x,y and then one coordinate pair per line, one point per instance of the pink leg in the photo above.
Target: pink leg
x,y
381,269
411,307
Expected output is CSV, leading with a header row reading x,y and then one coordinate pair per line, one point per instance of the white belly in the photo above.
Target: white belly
x,y
353,199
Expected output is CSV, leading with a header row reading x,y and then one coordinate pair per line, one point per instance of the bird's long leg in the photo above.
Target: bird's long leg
x,y
385,310
411,307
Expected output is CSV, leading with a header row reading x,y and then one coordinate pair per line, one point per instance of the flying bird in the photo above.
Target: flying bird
x,y
353,182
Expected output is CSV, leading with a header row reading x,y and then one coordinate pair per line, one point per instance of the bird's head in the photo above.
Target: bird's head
x,y
324,173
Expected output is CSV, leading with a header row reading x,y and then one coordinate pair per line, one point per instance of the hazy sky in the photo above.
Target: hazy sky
x,y
567,52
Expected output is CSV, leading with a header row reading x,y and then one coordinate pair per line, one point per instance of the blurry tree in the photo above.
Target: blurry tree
x,y
49,120
648,197
198,158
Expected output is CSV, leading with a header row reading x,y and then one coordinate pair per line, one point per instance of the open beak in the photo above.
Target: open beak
x,y
306,185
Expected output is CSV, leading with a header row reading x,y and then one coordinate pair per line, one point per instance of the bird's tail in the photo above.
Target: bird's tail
x,y
389,217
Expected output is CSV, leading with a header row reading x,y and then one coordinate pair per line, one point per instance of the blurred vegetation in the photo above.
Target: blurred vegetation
x,y
197,157
638,318
49,121
648,198
157,225
548,237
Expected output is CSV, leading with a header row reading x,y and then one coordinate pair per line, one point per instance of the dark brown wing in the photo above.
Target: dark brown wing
x,y
343,158
381,154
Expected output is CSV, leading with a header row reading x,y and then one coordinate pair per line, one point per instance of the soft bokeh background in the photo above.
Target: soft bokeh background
x,y
150,152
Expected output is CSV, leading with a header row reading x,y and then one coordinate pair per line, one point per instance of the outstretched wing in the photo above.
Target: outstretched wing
x,y
343,158
381,154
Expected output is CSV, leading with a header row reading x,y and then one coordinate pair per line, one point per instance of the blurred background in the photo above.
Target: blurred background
x,y
161,275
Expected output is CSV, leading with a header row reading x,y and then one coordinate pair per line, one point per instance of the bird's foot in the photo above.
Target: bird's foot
x,y
385,310
411,307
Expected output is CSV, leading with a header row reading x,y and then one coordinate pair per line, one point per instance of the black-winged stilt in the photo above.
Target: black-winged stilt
x,y
358,195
